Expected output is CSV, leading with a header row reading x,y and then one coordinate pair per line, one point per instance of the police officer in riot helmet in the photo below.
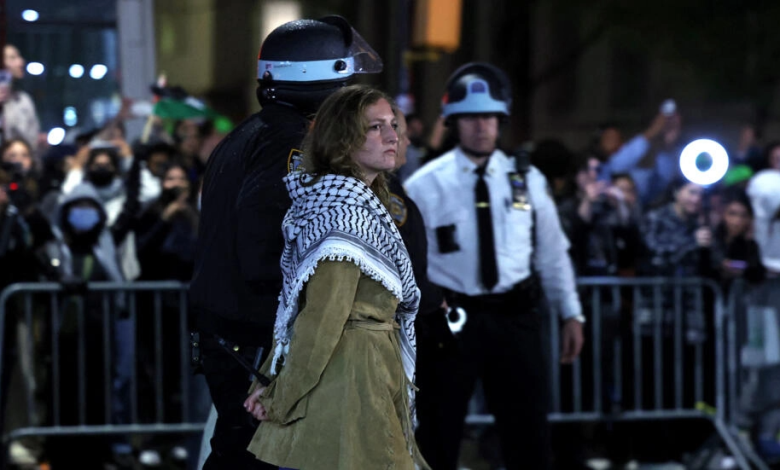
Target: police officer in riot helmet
x,y
237,277
495,245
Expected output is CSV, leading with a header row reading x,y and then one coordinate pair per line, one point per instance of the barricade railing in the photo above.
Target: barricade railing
x,y
753,359
656,349
113,358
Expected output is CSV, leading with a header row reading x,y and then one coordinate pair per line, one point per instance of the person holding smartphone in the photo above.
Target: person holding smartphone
x,y
168,229
734,254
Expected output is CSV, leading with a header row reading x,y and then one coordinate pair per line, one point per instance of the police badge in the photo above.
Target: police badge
x,y
398,210
294,160
519,187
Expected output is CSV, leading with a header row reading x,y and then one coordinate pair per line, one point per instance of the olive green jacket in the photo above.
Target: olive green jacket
x,y
340,400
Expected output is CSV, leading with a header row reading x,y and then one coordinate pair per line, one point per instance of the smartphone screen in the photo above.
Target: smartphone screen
x,y
5,77
736,264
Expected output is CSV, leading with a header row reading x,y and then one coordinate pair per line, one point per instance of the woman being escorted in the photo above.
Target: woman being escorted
x,y
342,394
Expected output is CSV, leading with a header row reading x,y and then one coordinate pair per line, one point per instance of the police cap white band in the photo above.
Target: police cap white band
x,y
477,101
306,71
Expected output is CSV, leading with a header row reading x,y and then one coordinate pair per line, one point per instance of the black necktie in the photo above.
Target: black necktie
x,y
487,249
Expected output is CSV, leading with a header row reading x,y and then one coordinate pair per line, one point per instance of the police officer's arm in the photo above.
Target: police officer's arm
x,y
260,208
552,258
556,271
329,296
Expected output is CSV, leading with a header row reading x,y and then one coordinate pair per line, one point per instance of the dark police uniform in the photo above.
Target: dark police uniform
x,y
436,347
237,279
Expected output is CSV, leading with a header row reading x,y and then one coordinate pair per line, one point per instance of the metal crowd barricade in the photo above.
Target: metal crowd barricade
x,y
642,327
753,356
43,304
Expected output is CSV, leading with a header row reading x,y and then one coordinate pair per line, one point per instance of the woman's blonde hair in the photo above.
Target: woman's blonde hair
x,y
339,132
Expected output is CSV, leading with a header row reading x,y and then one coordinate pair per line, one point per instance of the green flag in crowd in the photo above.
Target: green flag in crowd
x,y
191,108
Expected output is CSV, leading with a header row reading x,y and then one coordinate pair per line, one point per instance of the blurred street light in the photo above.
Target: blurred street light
x,y
76,71
30,15
70,117
98,71
35,68
56,136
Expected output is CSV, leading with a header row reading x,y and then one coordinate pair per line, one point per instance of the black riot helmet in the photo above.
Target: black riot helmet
x,y
477,88
302,62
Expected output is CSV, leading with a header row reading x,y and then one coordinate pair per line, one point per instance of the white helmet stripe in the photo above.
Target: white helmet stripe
x,y
306,71
478,100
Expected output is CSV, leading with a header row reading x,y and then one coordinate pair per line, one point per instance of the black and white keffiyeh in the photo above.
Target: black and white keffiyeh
x,y
340,218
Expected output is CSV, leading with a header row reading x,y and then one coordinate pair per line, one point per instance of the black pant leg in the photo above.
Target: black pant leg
x,y
228,383
441,407
517,389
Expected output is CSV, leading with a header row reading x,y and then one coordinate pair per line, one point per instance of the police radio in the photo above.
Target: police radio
x,y
518,180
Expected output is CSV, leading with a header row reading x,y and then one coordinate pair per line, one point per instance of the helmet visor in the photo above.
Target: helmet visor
x,y
366,59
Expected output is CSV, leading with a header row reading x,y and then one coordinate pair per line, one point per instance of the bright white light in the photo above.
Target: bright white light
x,y
98,71
35,68
76,70
718,169
30,15
70,117
56,136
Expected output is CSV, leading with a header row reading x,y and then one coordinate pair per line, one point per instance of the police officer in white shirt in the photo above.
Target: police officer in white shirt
x,y
494,236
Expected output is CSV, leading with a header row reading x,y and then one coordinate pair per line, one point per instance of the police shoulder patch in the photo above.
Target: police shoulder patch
x,y
294,160
398,209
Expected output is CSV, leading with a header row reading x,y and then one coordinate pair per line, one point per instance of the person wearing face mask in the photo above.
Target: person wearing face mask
x,y
105,161
121,199
85,250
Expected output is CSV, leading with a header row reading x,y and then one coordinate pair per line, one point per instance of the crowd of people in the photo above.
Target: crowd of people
x,y
94,209
105,209
628,210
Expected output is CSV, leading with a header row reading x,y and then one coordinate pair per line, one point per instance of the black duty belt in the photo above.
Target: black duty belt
x,y
524,295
